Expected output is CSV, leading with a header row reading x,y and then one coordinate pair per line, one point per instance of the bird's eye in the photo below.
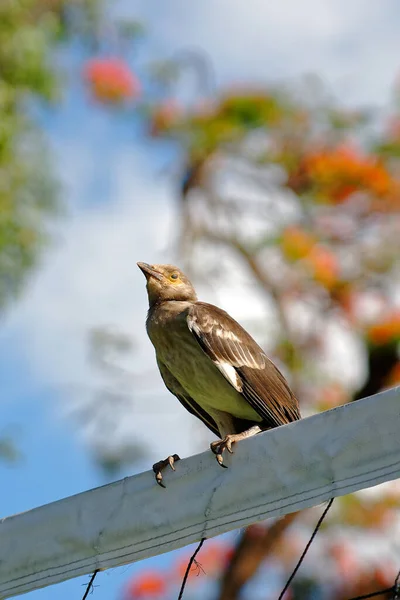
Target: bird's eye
x,y
174,276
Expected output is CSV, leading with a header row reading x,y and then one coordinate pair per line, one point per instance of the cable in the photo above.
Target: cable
x,y
310,541
191,561
90,584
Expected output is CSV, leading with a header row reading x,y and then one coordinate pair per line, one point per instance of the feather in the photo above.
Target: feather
x,y
243,363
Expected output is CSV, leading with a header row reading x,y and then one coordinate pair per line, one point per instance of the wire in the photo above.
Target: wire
x,y
90,584
397,587
310,541
191,561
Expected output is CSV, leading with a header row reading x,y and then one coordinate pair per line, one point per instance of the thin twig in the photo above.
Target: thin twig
x,y
90,584
199,567
310,541
191,561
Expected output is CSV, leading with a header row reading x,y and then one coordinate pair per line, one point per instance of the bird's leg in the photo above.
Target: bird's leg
x,y
226,444
161,464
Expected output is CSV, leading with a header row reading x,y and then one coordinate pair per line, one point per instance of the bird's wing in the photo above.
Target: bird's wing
x,y
187,401
243,363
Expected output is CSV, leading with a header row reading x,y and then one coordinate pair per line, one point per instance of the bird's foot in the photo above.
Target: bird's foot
x,y
161,464
226,444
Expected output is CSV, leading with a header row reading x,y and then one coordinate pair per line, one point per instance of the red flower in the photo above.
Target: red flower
x,y
111,80
149,584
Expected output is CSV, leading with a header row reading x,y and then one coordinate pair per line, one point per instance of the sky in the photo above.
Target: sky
x,y
120,200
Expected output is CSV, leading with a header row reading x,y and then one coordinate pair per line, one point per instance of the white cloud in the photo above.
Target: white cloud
x,y
91,277
353,45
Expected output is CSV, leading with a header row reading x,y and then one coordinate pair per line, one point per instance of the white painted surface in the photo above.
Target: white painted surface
x,y
293,467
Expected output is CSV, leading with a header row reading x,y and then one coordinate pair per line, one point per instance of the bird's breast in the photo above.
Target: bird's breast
x,y
179,351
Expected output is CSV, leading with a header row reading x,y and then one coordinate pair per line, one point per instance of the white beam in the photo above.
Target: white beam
x,y
280,471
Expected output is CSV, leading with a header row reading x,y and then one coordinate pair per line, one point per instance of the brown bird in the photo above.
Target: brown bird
x,y
212,365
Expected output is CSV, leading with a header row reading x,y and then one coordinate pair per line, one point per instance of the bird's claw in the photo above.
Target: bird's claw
x,y
220,445
220,460
161,464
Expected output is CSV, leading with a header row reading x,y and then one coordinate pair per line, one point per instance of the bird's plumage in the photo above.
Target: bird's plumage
x,y
209,362
243,363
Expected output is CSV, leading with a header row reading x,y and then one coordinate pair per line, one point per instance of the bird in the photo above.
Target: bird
x,y
212,365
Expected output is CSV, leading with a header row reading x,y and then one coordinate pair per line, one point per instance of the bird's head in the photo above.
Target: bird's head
x,y
166,282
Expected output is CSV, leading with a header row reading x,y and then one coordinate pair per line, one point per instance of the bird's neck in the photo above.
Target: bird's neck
x,y
165,310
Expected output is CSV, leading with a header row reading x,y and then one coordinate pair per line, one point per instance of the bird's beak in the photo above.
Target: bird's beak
x,y
148,271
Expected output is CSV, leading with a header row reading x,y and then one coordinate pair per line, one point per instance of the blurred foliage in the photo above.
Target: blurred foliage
x,y
29,31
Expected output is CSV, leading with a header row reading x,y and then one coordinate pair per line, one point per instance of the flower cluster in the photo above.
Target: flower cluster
x,y
148,584
335,174
111,80
319,260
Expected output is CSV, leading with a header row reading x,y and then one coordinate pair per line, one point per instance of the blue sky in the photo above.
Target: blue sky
x,y
121,209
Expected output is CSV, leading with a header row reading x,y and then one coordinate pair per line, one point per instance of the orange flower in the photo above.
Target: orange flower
x,y
213,557
111,80
348,299
337,173
164,116
296,243
385,331
149,584
181,567
324,266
